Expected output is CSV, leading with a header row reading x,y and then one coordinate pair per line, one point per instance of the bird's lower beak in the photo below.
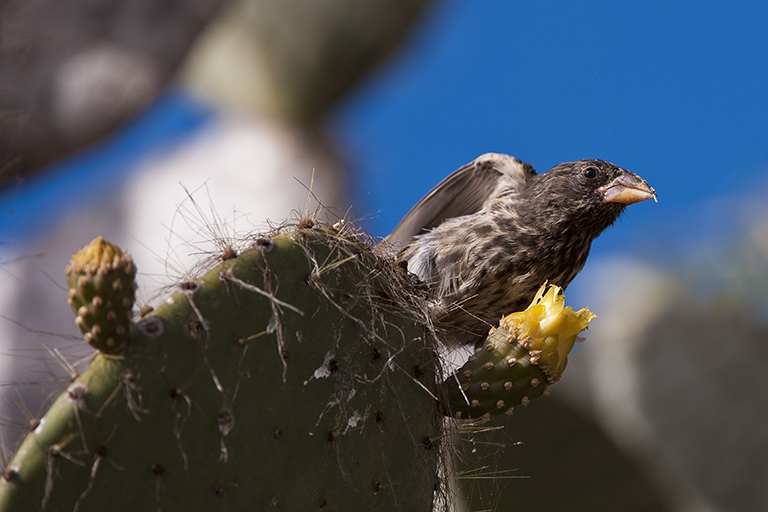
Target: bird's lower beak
x,y
628,188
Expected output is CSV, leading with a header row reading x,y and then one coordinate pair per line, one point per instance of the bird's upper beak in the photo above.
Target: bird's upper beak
x,y
627,188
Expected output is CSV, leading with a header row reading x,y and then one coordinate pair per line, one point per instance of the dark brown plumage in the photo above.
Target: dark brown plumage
x,y
489,235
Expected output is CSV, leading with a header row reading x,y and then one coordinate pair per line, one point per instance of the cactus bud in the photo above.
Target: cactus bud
x,y
101,293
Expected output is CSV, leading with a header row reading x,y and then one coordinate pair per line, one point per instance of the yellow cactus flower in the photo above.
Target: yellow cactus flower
x,y
548,329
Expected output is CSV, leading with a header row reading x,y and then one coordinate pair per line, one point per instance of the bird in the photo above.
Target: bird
x,y
487,237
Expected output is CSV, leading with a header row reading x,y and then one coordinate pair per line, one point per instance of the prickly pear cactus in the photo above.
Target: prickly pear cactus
x,y
294,376
520,359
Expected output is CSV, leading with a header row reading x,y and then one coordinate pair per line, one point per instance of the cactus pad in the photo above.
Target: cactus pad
x,y
292,377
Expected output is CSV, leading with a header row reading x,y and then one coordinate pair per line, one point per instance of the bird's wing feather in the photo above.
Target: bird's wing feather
x,y
462,193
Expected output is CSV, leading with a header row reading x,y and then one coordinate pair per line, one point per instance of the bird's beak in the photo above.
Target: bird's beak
x,y
628,188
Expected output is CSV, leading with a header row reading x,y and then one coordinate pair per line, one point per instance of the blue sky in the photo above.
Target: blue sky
x,y
674,91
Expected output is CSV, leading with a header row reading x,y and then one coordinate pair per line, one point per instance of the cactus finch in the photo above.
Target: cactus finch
x,y
488,236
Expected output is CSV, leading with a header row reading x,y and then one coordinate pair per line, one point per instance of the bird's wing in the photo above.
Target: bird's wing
x,y
462,193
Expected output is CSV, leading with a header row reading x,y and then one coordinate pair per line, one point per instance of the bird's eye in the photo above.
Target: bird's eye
x,y
590,172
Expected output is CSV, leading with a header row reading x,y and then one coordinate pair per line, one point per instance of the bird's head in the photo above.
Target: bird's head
x,y
589,192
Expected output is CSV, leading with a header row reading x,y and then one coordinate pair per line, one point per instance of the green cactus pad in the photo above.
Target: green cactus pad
x,y
292,377
498,377
101,293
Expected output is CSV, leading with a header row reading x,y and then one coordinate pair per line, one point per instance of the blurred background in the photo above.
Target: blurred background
x,y
170,126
